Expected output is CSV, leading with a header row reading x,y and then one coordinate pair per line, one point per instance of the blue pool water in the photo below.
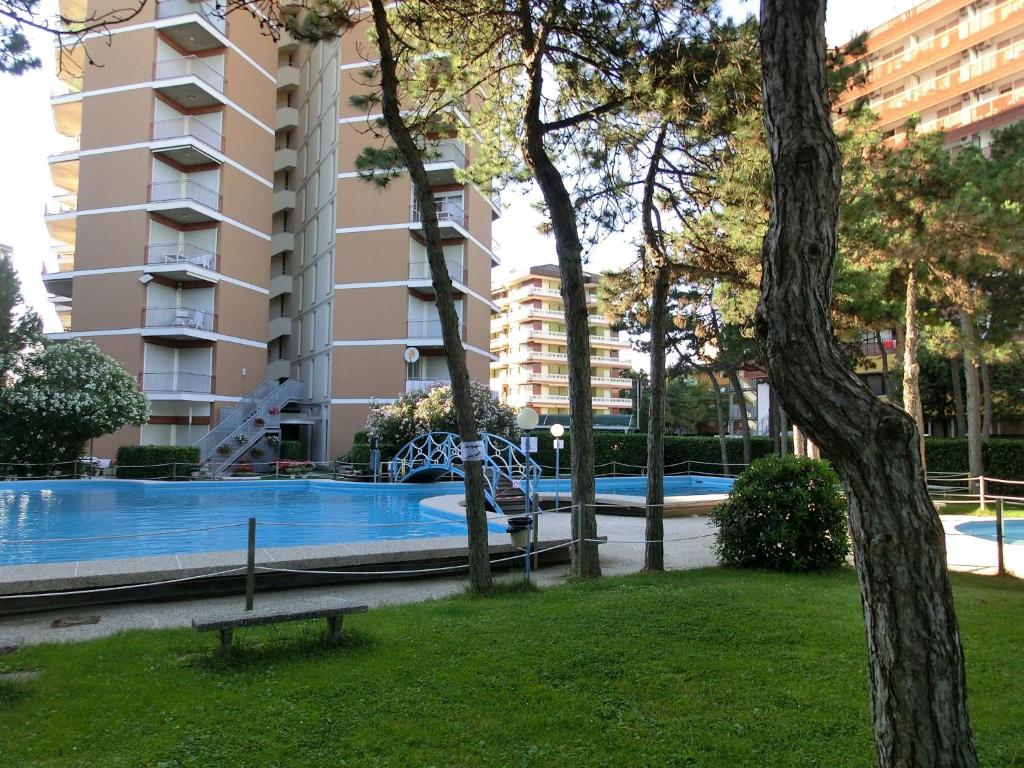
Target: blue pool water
x,y
146,515
1013,530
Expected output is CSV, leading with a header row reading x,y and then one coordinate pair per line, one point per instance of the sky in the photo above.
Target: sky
x,y
27,136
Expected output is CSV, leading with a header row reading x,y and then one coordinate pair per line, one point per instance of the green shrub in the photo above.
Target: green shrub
x,y
783,514
362,437
138,461
290,450
359,455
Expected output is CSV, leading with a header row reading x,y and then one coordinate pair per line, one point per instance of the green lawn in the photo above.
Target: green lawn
x,y
972,508
702,668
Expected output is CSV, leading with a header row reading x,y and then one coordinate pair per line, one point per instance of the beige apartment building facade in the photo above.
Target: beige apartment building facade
x,y
528,338
957,66
213,233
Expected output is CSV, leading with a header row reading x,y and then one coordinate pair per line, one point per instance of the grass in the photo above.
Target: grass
x,y
972,508
701,668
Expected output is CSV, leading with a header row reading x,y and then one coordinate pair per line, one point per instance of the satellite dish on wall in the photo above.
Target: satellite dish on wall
x,y
411,355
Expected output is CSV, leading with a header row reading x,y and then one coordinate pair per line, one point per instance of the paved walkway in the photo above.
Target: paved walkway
x,y
687,545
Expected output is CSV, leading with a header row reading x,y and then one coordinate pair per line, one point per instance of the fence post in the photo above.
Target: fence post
x,y
174,470
250,566
1000,565
981,493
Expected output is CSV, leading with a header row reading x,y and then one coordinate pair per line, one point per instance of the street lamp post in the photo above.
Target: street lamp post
x,y
557,430
527,419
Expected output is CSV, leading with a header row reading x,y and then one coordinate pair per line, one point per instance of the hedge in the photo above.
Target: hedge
x,y
291,450
137,461
626,453
1001,458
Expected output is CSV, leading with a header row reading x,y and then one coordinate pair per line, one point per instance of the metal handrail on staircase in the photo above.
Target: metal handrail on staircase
x,y
256,413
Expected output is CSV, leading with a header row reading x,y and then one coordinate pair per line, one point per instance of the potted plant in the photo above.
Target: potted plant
x,y
257,452
259,422
224,449
241,439
273,440
273,410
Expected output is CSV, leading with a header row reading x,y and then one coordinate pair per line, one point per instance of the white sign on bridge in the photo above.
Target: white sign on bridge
x,y
473,450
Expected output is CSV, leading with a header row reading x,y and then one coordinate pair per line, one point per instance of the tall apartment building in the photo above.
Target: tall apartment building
x,y
214,233
958,66
529,339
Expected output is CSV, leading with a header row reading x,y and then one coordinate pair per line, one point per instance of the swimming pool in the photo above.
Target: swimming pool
x,y
1013,530
70,520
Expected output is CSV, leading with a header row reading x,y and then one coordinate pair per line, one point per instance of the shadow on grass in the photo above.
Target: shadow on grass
x,y
13,693
506,587
264,648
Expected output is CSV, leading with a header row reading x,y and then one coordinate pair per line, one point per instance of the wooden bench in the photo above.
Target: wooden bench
x,y
226,622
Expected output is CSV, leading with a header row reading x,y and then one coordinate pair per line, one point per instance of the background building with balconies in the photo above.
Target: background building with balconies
x,y
957,66
213,234
528,338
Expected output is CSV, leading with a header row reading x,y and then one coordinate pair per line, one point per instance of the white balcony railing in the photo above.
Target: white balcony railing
x,y
176,381
429,329
420,270
181,253
450,151
184,189
449,211
188,65
424,385
167,9
179,317
181,127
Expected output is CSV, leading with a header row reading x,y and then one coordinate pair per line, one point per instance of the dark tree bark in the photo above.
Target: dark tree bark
x,y
911,368
720,419
972,365
986,400
916,665
574,293
958,396
741,402
455,354
885,362
654,549
773,419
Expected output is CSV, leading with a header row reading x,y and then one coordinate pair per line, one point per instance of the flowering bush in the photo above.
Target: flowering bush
x,y
65,393
434,411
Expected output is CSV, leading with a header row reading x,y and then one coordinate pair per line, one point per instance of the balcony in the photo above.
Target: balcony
x,y
189,81
283,200
424,385
282,242
280,285
176,382
285,159
179,323
184,200
286,43
58,284
428,332
287,78
279,369
278,327
443,160
187,140
181,262
189,23
287,118
450,214
420,271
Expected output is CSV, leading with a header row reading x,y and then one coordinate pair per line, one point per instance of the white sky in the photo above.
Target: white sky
x,y
27,136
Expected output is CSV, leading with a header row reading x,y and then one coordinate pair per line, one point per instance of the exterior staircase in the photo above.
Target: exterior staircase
x,y
256,416
508,499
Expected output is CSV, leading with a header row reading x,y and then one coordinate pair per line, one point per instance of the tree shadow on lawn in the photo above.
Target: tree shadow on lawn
x,y
265,647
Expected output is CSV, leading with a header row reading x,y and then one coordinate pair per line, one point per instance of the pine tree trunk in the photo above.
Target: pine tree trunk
x,y
885,362
972,363
911,368
917,681
734,382
451,332
773,419
958,396
783,431
574,296
720,420
986,399
654,549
